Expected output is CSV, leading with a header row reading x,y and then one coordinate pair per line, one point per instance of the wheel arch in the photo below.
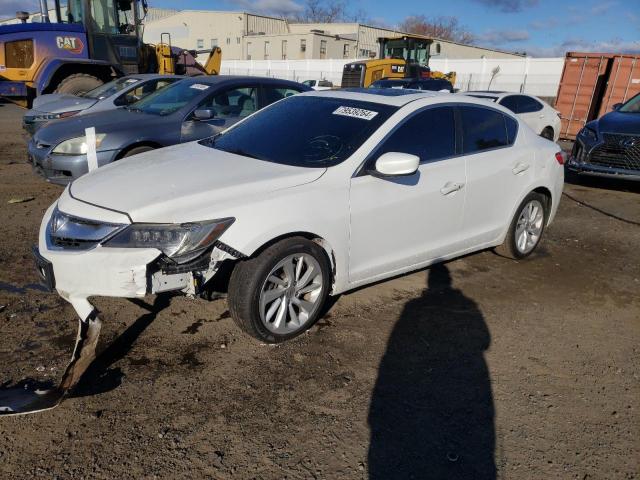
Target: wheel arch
x,y
536,188
142,143
56,71
326,247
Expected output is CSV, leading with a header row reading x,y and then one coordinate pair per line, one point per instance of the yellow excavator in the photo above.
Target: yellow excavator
x,y
89,43
405,56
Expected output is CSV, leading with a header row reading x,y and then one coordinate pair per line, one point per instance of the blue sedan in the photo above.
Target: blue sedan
x,y
190,109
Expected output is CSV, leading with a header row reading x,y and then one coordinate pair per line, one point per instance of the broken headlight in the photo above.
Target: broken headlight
x,y
182,242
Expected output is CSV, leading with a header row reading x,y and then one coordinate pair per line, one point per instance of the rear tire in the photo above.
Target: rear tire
x,y
137,150
526,229
547,133
78,83
273,297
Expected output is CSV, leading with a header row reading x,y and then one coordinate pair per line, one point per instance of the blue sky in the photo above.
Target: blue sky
x,y
539,27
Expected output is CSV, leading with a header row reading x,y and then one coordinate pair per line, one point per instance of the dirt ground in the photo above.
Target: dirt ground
x,y
481,368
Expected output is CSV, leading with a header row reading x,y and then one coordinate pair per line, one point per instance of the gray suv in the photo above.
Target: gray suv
x,y
190,109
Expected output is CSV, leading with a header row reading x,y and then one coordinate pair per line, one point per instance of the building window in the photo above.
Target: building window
x,y
267,47
284,49
248,50
200,43
345,51
228,41
303,45
214,42
323,48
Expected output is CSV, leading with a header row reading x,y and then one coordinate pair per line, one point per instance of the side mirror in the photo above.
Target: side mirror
x,y
204,114
616,106
393,164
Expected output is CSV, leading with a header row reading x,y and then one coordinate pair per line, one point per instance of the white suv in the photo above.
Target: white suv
x,y
314,195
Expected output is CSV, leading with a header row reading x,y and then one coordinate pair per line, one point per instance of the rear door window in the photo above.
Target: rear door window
x,y
528,104
511,102
482,129
273,94
429,134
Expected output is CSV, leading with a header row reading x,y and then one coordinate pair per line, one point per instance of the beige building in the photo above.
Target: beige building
x,y
247,36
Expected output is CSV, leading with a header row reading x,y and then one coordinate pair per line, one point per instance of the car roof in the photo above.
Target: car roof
x,y
233,79
386,96
151,76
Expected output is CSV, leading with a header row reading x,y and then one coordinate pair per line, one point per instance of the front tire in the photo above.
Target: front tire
x,y
280,293
137,150
78,83
526,229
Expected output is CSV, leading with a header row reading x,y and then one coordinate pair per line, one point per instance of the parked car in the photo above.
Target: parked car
x,y
320,84
610,145
432,84
190,109
117,93
373,186
542,118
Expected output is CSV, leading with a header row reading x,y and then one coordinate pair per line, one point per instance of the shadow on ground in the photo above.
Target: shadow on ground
x,y
100,377
432,412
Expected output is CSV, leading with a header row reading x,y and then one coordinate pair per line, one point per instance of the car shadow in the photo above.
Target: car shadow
x,y
100,377
432,413
604,183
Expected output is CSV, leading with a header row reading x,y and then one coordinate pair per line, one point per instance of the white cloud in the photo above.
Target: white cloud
x,y
280,8
581,45
497,37
8,8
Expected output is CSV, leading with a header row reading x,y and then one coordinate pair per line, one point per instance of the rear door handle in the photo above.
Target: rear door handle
x,y
451,187
520,167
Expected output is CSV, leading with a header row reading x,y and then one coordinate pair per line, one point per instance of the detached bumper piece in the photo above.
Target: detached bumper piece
x,y
45,269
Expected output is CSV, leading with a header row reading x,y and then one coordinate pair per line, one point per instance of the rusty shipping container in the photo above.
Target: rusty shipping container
x,y
591,84
624,82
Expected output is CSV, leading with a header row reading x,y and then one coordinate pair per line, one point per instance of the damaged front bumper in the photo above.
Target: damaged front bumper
x,y
77,273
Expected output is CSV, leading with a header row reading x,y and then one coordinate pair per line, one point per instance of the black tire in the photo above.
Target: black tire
x,y
249,277
509,248
547,133
137,150
78,83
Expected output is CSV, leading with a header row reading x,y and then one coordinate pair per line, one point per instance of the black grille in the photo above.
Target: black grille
x,y
617,151
352,75
73,243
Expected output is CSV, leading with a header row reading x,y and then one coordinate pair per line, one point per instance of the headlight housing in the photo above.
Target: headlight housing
x,y
181,242
589,133
77,145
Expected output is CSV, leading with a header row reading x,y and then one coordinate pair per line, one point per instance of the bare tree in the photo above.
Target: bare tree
x,y
329,11
446,28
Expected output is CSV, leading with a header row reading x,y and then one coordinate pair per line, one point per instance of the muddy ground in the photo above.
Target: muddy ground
x,y
482,368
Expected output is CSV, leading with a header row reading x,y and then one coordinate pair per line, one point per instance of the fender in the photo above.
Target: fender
x,y
48,70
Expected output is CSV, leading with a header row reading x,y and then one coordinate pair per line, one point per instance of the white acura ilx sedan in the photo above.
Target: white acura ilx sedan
x,y
314,195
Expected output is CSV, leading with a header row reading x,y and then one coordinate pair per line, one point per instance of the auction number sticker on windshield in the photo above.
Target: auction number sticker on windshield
x,y
199,86
355,112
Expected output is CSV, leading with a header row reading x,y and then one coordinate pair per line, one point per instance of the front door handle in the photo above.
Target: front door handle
x,y
520,167
451,187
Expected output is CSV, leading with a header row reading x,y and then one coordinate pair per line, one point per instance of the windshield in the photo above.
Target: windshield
x,y
110,88
172,98
304,131
632,106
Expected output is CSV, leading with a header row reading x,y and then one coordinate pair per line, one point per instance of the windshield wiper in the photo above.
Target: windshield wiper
x,y
133,109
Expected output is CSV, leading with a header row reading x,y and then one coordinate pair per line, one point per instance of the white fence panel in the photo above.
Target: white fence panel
x,y
537,76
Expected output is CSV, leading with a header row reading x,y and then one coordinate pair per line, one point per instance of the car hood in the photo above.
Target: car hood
x,y
620,122
186,183
109,121
54,103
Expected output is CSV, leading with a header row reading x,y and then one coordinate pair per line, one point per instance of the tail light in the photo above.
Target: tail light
x,y
560,156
